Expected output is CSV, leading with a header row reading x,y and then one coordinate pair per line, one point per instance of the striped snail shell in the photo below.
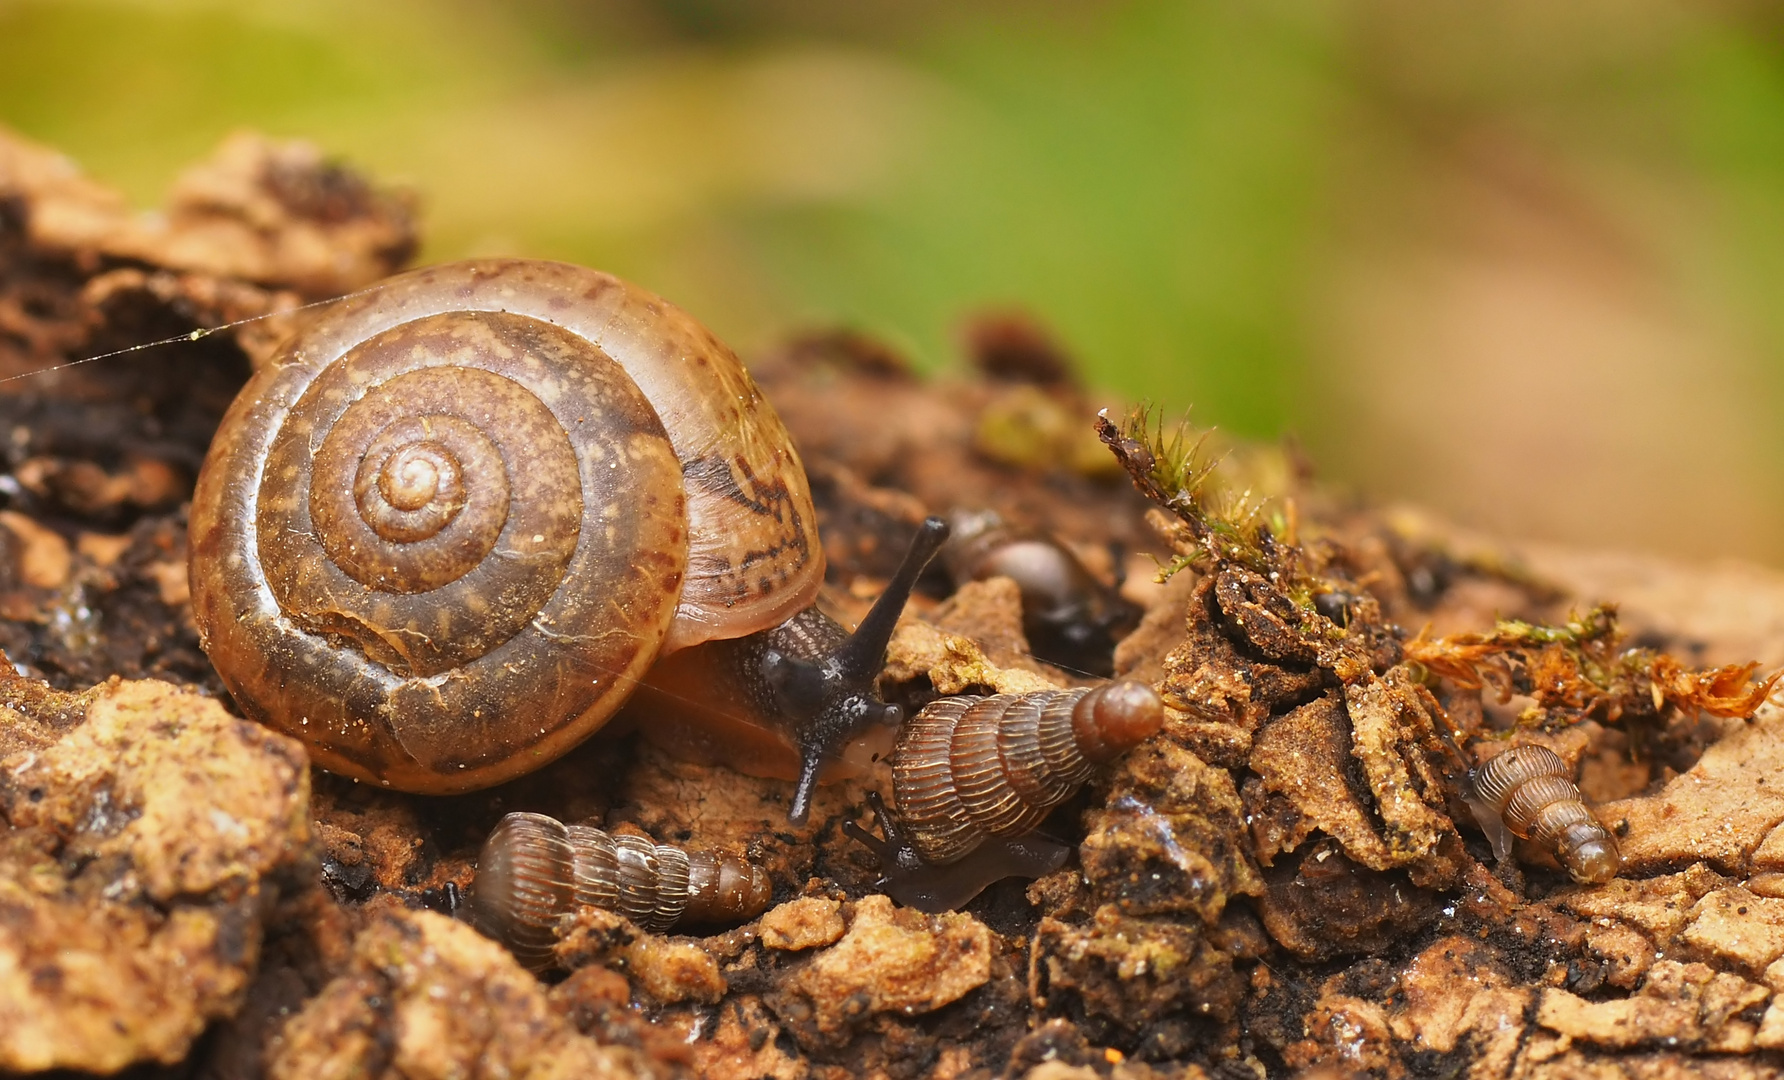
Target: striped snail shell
x,y
534,869
964,769
1529,792
972,777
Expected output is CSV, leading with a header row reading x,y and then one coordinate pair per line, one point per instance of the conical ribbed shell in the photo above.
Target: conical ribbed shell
x,y
723,887
981,778
965,768
652,880
923,789
1066,765
1531,799
534,870
1553,820
523,884
1025,766
1499,778
596,868
1532,791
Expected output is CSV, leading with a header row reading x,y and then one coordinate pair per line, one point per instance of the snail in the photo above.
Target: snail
x,y
973,777
534,869
1528,792
1069,617
444,534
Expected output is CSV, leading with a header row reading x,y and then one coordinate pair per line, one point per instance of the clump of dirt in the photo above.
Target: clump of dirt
x,y
1287,879
145,851
426,996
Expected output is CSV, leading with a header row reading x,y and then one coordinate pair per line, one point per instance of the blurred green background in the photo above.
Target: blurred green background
x,y
1520,262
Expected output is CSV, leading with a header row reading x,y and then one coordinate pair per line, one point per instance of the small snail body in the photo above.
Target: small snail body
x,y
447,531
534,870
1069,617
1529,792
973,777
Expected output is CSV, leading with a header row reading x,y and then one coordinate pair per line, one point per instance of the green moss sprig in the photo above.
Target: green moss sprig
x,y
1175,469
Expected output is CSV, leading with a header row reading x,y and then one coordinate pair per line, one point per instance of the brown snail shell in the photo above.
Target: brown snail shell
x,y
973,777
1069,617
1529,792
445,533
967,768
534,870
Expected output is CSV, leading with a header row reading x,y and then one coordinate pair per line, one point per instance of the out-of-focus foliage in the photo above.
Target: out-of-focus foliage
x,y
1141,173
1520,261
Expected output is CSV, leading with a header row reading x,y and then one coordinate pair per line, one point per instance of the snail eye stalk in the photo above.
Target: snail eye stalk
x,y
829,699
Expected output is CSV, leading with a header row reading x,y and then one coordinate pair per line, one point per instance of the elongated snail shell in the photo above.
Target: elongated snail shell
x,y
1530,791
965,769
534,870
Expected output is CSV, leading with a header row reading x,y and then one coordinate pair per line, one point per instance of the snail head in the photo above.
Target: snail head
x,y
830,699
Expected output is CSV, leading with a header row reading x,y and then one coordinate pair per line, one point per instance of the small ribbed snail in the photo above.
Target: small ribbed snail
x,y
975,776
447,531
1069,617
534,870
1528,792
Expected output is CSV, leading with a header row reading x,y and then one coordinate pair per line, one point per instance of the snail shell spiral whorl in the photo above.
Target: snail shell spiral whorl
x,y
444,533
967,768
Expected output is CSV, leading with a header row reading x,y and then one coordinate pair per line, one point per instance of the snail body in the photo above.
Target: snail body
x,y
534,869
1069,617
451,527
973,777
1528,792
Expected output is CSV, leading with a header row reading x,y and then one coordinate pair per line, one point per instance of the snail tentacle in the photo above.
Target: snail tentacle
x,y
829,698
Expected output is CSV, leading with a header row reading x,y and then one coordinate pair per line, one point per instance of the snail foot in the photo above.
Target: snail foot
x,y
932,888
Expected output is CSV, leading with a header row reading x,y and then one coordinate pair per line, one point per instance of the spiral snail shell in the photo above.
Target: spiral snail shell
x,y
448,530
1069,617
534,870
975,776
1529,792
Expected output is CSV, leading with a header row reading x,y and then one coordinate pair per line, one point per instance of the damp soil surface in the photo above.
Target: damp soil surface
x,y
1289,879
